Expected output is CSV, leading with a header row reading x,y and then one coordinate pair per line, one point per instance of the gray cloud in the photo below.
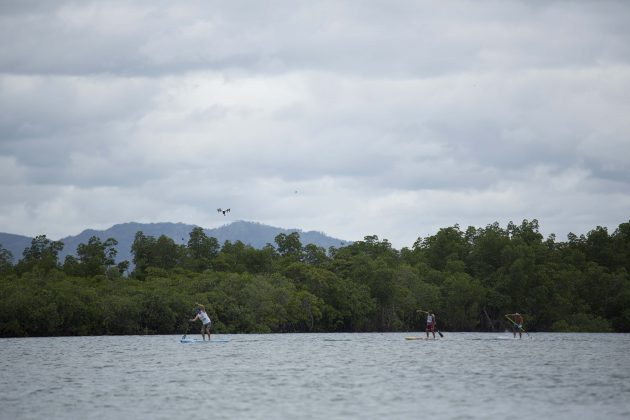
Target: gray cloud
x,y
389,119
407,39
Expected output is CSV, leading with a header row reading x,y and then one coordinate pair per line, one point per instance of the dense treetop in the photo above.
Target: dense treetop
x,y
470,278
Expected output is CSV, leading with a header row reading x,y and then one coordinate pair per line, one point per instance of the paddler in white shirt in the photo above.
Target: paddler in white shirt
x,y
206,323
431,321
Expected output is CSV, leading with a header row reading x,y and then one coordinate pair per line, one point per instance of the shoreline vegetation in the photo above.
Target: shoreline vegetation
x,y
470,278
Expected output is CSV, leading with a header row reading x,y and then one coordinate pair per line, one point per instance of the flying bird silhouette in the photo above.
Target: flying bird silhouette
x,y
220,210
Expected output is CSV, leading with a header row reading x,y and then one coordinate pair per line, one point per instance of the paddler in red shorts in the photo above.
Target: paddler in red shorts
x,y
431,321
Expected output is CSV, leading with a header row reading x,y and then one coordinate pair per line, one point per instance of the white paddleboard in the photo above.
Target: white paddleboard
x,y
188,340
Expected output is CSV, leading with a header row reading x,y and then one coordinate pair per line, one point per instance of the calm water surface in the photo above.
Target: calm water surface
x,y
315,376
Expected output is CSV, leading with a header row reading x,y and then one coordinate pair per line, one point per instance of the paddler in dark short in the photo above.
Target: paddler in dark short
x,y
206,323
517,324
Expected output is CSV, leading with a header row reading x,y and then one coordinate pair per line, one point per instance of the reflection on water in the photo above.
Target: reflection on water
x,y
464,376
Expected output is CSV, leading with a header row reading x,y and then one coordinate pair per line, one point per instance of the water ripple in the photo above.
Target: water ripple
x,y
314,376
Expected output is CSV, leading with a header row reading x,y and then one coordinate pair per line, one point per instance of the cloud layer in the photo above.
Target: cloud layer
x,y
387,118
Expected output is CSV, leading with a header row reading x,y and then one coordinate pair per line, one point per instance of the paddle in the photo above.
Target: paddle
x,y
520,327
187,323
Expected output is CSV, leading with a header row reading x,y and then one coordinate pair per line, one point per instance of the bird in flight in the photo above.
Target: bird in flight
x,y
220,210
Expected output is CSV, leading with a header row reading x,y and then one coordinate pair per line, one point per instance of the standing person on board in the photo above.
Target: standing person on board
x,y
206,323
517,324
431,321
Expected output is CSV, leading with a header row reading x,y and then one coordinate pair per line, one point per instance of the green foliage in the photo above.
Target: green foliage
x,y
201,250
97,256
462,300
41,255
469,278
289,246
315,255
94,258
6,261
161,253
447,244
582,322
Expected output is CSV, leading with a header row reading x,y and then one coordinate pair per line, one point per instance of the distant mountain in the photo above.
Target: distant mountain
x,y
250,233
15,244
259,235
125,233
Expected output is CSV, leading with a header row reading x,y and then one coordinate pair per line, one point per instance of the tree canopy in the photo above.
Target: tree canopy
x,y
470,278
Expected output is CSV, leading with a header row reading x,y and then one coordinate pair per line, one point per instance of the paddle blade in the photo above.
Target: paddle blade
x,y
440,332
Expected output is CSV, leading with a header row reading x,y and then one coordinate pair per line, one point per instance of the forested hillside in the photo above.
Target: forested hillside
x,y
470,278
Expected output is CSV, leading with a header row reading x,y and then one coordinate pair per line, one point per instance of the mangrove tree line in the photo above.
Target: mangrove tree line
x,y
470,278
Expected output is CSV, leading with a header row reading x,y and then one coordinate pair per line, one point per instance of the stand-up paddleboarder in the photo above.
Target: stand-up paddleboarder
x,y
431,321
517,323
206,323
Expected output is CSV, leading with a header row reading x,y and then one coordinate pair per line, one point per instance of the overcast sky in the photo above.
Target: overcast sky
x,y
354,118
